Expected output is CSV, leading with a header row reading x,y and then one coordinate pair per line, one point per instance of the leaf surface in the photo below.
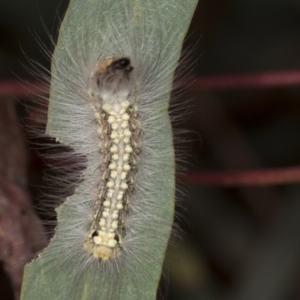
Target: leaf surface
x,y
61,271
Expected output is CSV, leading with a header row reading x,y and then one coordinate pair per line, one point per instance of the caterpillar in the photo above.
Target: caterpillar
x,y
119,147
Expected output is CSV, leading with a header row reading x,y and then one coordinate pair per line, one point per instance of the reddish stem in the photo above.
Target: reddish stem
x,y
22,89
256,80
235,178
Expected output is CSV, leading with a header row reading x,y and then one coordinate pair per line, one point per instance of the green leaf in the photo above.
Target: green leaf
x,y
151,31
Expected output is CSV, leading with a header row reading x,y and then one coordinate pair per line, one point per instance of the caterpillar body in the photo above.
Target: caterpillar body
x,y
112,74
115,110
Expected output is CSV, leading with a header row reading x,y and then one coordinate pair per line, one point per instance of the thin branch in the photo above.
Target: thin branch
x,y
256,80
236,178
22,89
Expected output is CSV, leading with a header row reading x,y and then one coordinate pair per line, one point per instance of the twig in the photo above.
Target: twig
x,y
236,178
256,80
21,89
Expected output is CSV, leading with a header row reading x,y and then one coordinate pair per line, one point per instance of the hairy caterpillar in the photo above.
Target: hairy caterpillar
x,y
119,147
111,81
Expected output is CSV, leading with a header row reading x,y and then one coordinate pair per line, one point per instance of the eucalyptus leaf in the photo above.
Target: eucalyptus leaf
x,y
113,28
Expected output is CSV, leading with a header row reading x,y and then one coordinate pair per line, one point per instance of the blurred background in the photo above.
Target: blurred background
x,y
241,242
